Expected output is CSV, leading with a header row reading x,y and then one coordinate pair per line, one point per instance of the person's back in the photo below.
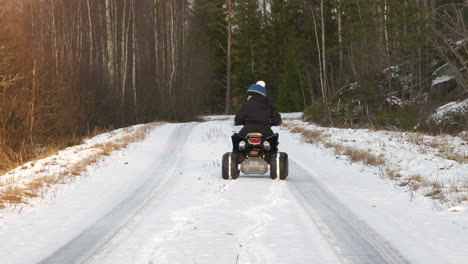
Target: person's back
x,y
257,114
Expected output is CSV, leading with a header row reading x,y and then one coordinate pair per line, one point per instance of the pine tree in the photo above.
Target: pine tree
x,y
208,30
247,39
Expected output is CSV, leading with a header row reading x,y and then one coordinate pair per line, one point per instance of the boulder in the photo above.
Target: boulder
x,y
444,83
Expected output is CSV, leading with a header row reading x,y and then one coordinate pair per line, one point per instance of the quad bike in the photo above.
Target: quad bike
x,y
254,154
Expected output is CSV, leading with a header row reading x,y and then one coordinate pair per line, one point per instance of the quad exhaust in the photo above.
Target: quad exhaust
x,y
254,166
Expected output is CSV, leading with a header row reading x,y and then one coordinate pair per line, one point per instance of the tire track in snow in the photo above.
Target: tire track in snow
x,y
94,239
352,239
259,214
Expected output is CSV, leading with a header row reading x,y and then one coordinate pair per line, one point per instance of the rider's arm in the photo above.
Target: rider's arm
x,y
275,117
239,120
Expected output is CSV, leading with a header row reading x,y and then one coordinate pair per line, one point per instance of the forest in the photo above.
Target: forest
x,y
69,68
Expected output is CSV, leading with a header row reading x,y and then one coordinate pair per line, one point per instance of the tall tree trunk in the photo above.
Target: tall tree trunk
x,y
340,41
124,58
33,102
134,64
228,70
324,63
110,45
55,39
322,85
91,42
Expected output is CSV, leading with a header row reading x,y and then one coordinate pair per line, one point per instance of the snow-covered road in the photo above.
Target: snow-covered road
x,y
163,201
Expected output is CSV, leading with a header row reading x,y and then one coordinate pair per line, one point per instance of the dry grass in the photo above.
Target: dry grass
x,y
435,191
355,155
11,194
448,151
415,180
8,165
462,159
455,188
444,148
391,173
415,138
310,135
364,156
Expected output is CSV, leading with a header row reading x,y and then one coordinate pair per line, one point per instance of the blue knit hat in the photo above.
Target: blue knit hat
x,y
257,89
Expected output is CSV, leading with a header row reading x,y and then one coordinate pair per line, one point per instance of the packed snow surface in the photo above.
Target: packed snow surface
x,y
163,200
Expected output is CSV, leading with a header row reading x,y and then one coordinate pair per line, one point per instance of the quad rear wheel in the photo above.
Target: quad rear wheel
x,y
279,166
230,166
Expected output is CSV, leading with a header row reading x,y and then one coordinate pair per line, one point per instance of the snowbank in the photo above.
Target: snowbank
x,y
27,183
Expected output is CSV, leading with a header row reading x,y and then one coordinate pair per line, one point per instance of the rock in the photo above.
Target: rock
x,y
442,87
444,83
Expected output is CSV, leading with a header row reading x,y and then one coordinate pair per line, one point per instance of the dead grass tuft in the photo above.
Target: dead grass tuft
x,y
444,148
455,188
462,159
392,174
364,156
415,138
435,191
77,169
417,178
13,195
310,135
20,158
34,185
447,150
414,182
356,155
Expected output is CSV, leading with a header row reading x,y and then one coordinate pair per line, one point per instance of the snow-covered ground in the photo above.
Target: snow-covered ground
x,y
162,200
29,182
435,166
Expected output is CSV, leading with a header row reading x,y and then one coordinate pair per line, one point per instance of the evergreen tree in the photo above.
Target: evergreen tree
x,y
208,28
247,39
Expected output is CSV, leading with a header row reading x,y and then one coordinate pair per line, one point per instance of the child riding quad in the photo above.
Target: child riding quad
x,y
255,147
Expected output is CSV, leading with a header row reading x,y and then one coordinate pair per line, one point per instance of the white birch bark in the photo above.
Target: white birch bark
x,y
90,34
110,45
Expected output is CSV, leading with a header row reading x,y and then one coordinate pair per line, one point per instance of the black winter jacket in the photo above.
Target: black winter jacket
x,y
257,115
